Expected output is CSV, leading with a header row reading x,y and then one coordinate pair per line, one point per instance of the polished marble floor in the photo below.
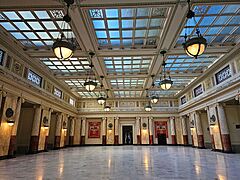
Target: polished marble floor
x,y
123,163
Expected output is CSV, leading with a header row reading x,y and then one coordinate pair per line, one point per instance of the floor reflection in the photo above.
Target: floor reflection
x,y
123,162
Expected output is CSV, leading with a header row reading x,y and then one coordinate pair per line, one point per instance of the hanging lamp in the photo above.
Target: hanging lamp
x,y
63,48
196,46
148,107
154,98
89,84
165,83
107,107
101,100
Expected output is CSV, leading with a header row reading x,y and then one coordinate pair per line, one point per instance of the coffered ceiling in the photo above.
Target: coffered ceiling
x,y
127,37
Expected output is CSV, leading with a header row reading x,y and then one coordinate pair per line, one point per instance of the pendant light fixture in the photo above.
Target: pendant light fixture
x,y
101,100
63,47
89,84
196,46
148,107
154,98
165,83
107,107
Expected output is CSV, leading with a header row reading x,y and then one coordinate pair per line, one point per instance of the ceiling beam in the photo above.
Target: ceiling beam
x,y
84,76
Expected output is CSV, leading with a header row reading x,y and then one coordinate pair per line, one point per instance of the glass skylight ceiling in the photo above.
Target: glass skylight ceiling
x,y
219,24
73,65
162,93
120,65
127,94
35,29
94,94
128,27
184,63
127,83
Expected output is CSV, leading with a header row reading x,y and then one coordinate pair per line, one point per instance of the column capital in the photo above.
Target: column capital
x,y
138,118
220,104
35,106
104,118
59,113
116,118
150,118
172,118
83,118
206,108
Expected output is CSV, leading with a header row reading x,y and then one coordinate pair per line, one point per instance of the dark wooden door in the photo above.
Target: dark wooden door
x,y
127,135
162,139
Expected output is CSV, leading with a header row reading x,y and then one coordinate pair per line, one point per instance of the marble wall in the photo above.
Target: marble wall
x,y
77,132
110,131
43,133
215,130
9,101
144,130
178,127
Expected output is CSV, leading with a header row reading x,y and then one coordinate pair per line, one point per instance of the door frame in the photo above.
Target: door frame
x,y
130,128
121,132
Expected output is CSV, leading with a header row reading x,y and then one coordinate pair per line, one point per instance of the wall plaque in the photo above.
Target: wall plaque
x,y
198,90
223,74
34,78
57,92
1,56
183,100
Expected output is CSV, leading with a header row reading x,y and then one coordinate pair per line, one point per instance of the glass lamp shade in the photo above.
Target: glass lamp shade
x,y
63,49
195,47
90,85
107,108
10,122
148,108
101,100
154,99
166,84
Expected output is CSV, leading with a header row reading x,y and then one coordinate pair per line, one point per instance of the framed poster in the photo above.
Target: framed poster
x,y
57,92
183,100
160,128
223,74
94,129
1,56
34,78
198,90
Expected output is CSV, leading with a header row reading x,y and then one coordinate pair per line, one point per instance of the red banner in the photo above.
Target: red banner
x,y
94,129
161,128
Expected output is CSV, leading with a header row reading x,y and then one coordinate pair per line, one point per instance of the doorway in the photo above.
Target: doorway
x,y
162,139
127,135
24,130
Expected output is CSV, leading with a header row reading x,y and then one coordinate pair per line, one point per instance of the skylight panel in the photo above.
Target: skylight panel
x,y
99,24
114,34
101,34
218,24
18,35
112,13
35,25
26,15
142,12
42,14
8,26
31,27
129,22
113,24
12,15
127,12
